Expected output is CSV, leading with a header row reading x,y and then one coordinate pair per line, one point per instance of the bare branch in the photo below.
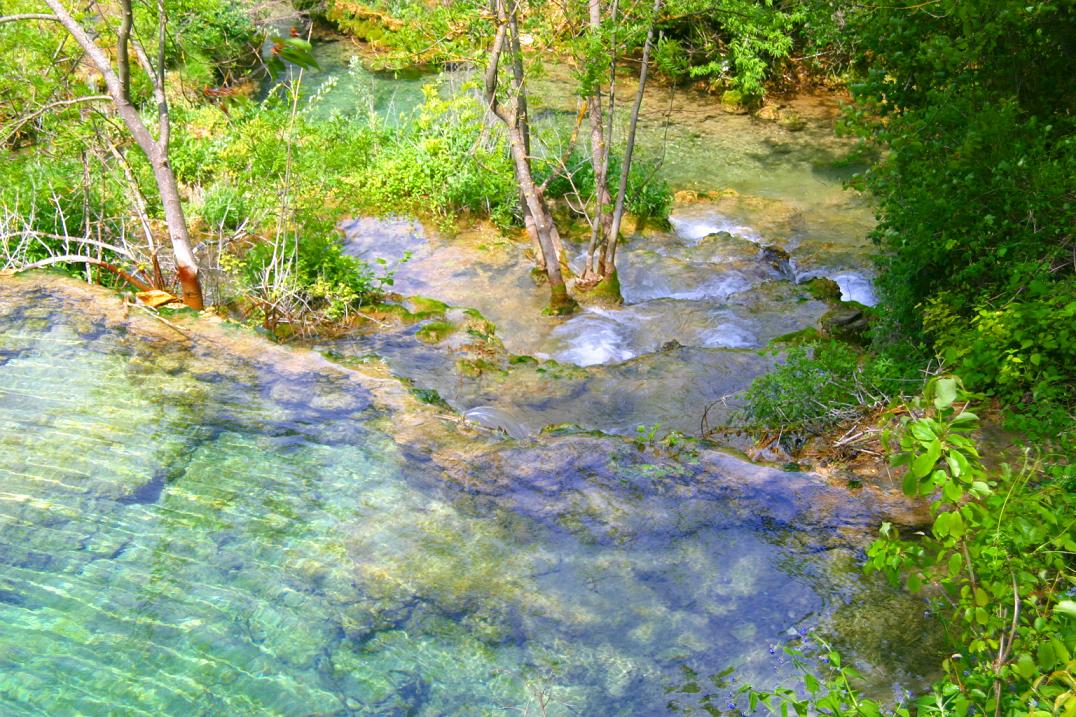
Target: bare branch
x,y
28,16
24,120
76,259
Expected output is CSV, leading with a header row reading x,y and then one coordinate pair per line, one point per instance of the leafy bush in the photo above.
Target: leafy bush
x,y
1022,352
998,552
224,206
328,281
995,565
648,195
819,386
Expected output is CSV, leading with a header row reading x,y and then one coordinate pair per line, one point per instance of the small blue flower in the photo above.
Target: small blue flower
x,y
824,658
773,650
731,705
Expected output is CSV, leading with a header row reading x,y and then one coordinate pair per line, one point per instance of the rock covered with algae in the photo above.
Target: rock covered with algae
x,y
193,520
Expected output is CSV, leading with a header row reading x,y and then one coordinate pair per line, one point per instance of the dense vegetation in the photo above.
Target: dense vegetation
x,y
967,104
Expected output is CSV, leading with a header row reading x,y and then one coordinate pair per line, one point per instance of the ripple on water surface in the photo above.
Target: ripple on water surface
x,y
182,533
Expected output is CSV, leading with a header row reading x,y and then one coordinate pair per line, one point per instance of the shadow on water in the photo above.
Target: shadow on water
x,y
224,527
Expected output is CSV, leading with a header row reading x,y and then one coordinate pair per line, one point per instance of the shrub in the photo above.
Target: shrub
x,y
648,195
1022,352
819,386
997,563
314,271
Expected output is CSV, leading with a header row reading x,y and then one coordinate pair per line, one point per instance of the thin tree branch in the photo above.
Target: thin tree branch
x,y
28,16
76,259
23,121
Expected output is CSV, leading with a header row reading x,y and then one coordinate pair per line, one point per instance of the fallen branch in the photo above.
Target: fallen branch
x,y
76,259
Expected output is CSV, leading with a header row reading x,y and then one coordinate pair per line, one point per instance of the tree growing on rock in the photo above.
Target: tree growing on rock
x,y
510,107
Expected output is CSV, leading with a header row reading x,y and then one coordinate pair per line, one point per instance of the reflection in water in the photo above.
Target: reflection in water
x,y
292,558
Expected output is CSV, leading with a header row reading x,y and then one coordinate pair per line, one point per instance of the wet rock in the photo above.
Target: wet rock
x,y
791,121
435,332
784,116
732,101
848,321
823,289
778,258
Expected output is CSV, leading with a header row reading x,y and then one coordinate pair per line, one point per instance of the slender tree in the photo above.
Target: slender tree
x,y
513,115
116,75
629,148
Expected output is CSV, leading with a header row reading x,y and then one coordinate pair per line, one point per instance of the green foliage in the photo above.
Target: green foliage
x,y
975,191
329,282
224,207
997,554
211,39
429,165
673,443
648,195
1021,352
995,564
435,164
833,694
406,33
818,386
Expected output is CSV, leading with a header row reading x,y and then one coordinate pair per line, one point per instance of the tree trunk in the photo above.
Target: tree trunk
x,y
543,221
156,151
514,117
599,232
599,161
622,190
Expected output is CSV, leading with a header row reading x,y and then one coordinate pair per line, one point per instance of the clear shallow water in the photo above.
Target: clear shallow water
x,y
698,313
702,297
220,526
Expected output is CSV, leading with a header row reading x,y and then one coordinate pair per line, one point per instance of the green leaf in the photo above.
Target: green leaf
x,y
1066,607
941,525
810,682
910,484
921,431
944,393
955,563
924,462
956,525
1025,666
964,417
1045,657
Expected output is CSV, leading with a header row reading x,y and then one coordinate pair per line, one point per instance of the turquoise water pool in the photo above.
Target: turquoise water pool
x,y
188,529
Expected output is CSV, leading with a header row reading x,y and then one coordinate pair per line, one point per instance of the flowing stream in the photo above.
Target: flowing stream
x,y
194,521
703,297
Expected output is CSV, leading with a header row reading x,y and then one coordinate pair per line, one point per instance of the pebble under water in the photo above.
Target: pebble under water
x,y
188,529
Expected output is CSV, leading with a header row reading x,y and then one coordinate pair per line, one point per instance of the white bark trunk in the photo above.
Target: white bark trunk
x,y
156,153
